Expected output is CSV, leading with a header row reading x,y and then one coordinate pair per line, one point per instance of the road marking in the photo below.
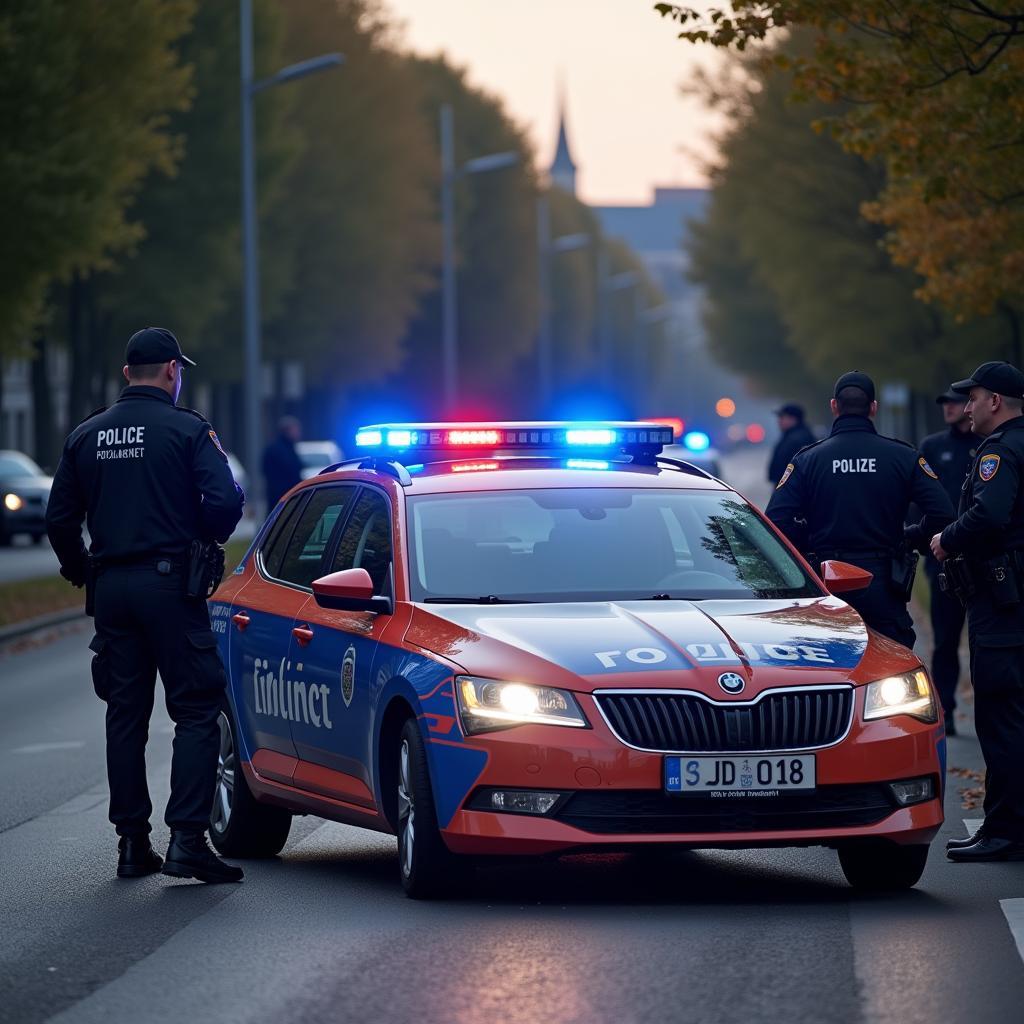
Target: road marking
x,y
973,824
1014,911
45,748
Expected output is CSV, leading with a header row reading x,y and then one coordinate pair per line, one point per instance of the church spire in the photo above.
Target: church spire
x,y
563,168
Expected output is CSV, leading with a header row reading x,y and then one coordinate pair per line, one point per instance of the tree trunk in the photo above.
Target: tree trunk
x,y
80,367
1013,320
3,419
47,446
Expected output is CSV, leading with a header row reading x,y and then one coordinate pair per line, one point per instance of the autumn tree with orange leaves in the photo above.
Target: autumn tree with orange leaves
x,y
935,90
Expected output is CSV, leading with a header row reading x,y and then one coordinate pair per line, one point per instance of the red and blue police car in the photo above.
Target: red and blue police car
x,y
537,638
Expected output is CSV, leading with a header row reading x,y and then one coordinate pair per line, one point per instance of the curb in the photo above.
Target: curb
x,y
20,629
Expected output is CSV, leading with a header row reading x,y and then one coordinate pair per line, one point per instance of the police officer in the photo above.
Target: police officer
x,y
846,497
983,557
795,435
950,453
149,478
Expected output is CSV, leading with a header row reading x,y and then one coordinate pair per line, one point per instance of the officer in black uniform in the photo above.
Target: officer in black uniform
x,y
950,453
846,497
982,555
150,479
795,434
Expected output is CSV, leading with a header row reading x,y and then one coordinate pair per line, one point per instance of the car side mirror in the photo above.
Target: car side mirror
x,y
350,590
841,577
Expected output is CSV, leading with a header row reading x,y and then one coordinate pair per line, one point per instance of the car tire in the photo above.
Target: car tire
x,y
883,866
426,866
240,826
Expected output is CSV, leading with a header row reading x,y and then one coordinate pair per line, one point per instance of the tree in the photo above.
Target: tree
x,y
88,87
785,223
932,88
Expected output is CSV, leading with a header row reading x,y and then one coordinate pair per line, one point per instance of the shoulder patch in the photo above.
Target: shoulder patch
x,y
988,466
216,442
923,463
785,476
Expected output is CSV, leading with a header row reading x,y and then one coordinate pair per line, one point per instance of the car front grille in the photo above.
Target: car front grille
x,y
687,722
647,812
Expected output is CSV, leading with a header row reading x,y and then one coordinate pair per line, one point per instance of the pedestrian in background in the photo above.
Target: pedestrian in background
x,y
950,453
795,435
282,467
847,497
982,554
153,484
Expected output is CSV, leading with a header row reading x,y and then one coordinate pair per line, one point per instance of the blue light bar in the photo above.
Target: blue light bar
x,y
586,464
369,438
602,437
697,441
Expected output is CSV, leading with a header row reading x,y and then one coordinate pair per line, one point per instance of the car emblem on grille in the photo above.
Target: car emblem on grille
x,y
731,682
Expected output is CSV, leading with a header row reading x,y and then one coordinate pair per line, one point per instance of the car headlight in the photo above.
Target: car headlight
x,y
486,704
12,502
907,694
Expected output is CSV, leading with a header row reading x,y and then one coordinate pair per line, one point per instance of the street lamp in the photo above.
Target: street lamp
x,y
253,357
647,318
449,299
546,247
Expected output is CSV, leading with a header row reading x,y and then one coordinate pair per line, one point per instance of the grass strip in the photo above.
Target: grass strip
x,y
27,599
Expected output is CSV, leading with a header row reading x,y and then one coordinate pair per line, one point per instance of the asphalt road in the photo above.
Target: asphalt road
x,y
323,933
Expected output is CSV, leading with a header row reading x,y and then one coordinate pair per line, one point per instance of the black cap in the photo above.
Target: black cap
x,y
950,396
154,345
790,409
856,379
1001,378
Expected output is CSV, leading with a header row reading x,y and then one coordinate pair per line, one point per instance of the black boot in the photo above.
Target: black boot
x,y
136,857
189,856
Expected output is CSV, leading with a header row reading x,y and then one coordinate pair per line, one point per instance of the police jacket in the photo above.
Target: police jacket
x,y
786,447
847,496
950,453
991,514
147,476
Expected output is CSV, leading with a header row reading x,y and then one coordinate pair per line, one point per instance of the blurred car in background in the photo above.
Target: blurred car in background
x,y
706,458
24,491
317,455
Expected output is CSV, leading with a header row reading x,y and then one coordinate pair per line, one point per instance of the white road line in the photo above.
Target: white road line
x,y
45,748
973,824
1014,911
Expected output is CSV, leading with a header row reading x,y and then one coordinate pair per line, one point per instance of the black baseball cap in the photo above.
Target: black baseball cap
x,y
948,397
790,409
154,345
1000,378
856,379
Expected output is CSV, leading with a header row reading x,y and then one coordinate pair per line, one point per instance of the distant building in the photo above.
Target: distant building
x,y
563,167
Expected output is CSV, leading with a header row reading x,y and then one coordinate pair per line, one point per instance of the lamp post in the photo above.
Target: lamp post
x,y
646,318
449,296
253,358
546,248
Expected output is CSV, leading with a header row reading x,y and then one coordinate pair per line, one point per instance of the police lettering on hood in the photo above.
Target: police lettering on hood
x,y
847,497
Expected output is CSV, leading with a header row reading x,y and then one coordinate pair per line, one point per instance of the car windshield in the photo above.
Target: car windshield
x,y
14,464
596,544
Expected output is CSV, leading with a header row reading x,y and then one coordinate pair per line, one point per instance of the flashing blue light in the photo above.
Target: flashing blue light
x,y
400,438
586,464
369,438
591,436
697,441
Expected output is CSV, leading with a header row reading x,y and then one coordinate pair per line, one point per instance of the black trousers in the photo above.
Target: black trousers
x,y
881,607
997,671
948,616
145,624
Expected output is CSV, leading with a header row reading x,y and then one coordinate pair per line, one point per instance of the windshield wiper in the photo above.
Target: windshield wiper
x,y
489,599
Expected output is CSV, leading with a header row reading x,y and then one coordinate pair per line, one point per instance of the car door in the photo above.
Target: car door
x,y
338,660
266,656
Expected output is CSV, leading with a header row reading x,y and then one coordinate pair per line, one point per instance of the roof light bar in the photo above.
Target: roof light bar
x,y
641,438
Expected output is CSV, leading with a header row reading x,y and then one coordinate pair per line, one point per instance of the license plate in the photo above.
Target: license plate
x,y
746,775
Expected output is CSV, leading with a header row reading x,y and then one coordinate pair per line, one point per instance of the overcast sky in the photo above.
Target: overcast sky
x,y
622,65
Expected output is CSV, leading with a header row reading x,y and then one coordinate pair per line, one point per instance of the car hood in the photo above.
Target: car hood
x,y
677,644
26,485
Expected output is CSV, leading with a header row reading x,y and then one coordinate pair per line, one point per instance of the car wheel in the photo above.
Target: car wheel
x,y
426,866
240,826
883,866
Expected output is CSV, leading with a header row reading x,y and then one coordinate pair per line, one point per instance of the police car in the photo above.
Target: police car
x,y
534,638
